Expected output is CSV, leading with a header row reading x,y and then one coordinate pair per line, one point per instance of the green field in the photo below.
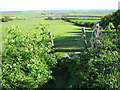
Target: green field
x,y
31,14
64,32
23,14
29,60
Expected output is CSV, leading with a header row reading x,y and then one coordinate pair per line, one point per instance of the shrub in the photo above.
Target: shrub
x,y
25,59
114,18
89,71
97,68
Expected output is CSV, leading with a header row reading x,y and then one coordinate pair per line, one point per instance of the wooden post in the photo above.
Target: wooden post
x,y
96,35
84,37
50,36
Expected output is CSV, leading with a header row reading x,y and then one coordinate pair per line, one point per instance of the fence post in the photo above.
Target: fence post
x,y
96,35
51,38
84,37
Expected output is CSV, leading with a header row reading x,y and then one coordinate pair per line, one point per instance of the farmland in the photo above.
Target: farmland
x,y
30,60
62,31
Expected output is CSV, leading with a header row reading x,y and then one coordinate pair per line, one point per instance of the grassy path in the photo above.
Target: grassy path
x,y
60,80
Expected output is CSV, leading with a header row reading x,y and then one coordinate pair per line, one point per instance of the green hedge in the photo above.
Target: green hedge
x,y
79,23
114,18
96,68
25,62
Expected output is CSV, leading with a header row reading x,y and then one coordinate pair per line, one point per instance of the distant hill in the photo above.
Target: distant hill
x,y
74,10
10,11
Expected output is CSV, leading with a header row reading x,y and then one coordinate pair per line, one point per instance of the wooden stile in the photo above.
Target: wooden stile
x,y
50,36
84,38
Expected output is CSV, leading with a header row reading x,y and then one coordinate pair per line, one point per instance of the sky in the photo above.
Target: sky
x,y
17,5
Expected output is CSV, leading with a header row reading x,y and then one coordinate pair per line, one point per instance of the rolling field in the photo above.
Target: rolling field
x,y
30,14
58,27
23,14
64,32
30,59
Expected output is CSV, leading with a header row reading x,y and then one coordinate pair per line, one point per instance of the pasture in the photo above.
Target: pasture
x,y
63,32
29,60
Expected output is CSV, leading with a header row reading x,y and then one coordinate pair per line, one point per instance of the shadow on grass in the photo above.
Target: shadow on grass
x,y
88,34
74,32
66,39
72,41
85,29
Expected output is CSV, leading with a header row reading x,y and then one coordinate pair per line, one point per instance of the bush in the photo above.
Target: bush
x,y
78,23
97,68
114,18
25,60
105,20
88,71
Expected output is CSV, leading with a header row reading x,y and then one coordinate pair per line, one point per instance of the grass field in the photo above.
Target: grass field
x,y
23,14
58,27
64,32
39,13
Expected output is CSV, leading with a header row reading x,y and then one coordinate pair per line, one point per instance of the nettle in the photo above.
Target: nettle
x,y
25,59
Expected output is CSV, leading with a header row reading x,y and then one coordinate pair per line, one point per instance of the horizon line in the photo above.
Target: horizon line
x,y
55,10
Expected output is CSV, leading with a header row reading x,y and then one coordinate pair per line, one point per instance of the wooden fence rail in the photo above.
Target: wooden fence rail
x,y
69,50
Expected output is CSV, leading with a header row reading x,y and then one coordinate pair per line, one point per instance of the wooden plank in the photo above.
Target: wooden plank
x,y
69,50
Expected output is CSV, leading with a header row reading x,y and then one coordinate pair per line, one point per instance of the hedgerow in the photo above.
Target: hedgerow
x,y
25,59
96,68
114,18
79,23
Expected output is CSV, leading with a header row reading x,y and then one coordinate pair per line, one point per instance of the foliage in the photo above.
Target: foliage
x,y
110,26
105,20
114,18
79,23
98,68
63,31
94,72
25,61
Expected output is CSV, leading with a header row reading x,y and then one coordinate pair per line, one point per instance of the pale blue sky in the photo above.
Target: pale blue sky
x,y
15,5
